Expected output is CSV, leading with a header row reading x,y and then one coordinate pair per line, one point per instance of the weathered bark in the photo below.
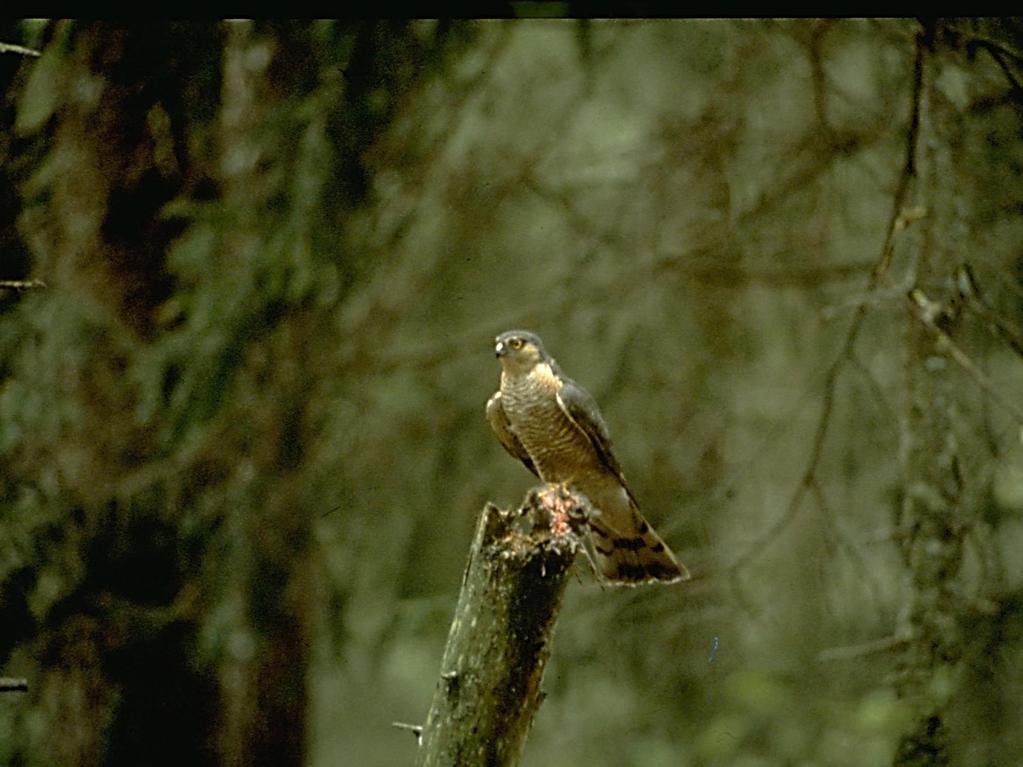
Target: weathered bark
x,y
489,686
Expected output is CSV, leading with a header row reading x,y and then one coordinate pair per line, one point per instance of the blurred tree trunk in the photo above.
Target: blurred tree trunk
x,y
934,517
263,681
116,684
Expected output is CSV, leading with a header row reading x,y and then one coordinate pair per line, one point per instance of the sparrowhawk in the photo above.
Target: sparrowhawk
x,y
551,424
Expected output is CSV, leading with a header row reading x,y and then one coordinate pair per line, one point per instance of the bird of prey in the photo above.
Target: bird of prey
x,y
551,424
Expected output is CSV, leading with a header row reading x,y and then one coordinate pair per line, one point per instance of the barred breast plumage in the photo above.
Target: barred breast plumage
x,y
560,452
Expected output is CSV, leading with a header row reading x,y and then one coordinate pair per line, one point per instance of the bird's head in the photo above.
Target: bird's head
x,y
519,351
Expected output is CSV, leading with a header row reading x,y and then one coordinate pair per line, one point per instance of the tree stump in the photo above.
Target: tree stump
x,y
500,639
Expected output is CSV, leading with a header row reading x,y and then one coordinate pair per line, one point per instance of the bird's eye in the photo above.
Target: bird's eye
x,y
515,343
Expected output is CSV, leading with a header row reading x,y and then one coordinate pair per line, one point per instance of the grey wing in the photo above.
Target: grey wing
x,y
580,407
502,428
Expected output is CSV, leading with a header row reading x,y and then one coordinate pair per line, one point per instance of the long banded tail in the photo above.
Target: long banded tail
x,y
632,553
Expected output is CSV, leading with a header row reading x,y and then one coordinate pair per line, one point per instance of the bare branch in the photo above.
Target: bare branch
x,y
20,285
13,48
900,217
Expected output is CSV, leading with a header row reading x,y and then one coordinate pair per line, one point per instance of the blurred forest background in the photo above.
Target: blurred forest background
x,y
253,272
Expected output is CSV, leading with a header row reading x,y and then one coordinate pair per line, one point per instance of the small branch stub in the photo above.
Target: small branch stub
x,y
13,684
499,643
415,729
14,48
21,285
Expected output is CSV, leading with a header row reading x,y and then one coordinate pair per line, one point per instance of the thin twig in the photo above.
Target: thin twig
x,y
1000,54
1000,326
875,388
924,311
975,303
874,646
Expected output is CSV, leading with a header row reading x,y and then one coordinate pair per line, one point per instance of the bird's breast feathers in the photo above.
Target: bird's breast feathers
x,y
544,375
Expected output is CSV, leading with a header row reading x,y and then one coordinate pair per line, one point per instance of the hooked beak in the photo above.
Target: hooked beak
x,y
500,349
